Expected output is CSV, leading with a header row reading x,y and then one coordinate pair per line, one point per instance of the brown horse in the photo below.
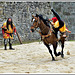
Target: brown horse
x,y
48,36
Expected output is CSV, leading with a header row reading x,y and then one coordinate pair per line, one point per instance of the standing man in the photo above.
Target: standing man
x,y
8,28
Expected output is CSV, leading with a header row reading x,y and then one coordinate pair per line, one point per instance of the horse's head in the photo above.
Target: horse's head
x,y
35,20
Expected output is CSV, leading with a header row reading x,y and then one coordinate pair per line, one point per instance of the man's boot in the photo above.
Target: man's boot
x,y
5,47
10,47
64,35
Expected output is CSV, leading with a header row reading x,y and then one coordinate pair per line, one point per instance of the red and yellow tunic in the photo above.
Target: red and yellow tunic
x,y
8,33
56,25
62,29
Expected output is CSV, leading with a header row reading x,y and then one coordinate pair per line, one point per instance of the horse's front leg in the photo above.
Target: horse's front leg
x,y
50,51
62,46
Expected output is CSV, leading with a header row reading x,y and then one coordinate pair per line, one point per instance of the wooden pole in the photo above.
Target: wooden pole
x,y
19,37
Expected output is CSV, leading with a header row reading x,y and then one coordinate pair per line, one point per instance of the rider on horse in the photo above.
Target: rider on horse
x,y
48,38
58,24
54,19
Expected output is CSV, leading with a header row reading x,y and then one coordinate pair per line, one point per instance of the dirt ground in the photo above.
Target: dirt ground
x,y
35,58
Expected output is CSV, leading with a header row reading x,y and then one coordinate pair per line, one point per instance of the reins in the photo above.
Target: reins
x,y
44,36
40,32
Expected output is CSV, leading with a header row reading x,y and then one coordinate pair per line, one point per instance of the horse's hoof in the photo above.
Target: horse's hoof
x,y
62,55
59,53
53,59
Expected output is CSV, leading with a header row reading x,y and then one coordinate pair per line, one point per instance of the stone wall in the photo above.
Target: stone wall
x,y
21,13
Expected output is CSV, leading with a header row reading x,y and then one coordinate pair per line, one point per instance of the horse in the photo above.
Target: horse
x,y
48,36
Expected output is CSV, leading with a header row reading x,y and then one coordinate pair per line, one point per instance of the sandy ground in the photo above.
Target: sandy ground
x,y
35,58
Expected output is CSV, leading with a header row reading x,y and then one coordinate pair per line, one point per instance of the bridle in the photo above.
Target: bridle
x,y
37,25
40,32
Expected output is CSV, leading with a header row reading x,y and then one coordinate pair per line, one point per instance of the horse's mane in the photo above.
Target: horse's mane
x,y
45,22
41,18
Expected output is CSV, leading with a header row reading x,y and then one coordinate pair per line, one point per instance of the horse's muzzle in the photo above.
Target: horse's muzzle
x,y
32,30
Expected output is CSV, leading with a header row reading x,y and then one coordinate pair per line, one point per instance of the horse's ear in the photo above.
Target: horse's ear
x,y
37,15
33,16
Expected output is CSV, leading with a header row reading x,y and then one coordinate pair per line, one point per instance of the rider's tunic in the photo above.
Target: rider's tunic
x,y
62,29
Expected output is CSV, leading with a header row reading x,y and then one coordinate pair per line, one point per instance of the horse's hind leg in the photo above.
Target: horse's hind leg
x,y
62,46
62,55
55,47
49,51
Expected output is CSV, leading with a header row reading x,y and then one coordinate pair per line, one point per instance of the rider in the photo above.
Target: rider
x,y
54,19
58,24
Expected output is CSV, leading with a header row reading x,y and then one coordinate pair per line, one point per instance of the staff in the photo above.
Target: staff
x,y
19,37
